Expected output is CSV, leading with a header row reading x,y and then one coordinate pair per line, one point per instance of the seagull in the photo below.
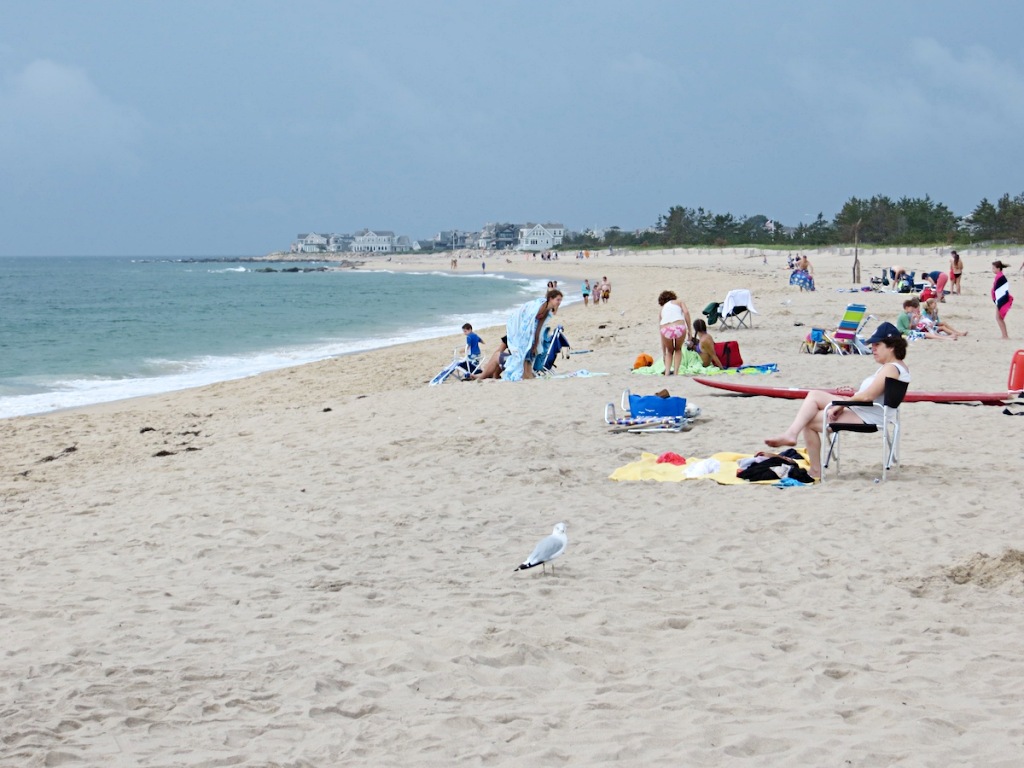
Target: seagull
x,y
547,549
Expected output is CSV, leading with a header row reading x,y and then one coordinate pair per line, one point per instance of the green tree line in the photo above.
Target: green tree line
x,y
879,220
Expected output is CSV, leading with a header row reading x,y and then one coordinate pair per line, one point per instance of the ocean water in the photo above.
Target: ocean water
x,y
83,330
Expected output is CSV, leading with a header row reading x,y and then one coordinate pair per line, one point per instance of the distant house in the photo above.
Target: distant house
x,y
374,241
498,236
403,244
540,237
339,243
310,242
450,240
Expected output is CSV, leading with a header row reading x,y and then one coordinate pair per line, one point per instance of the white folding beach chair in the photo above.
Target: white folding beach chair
x,y
737,310
462,366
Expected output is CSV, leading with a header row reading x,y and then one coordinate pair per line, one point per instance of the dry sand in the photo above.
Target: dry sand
x,y
314,567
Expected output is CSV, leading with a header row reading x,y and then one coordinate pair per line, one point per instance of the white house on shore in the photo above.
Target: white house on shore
x,y
310,242
521,237
374,241
540,237
339,243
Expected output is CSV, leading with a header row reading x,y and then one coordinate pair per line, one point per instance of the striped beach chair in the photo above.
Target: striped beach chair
x,y
845,340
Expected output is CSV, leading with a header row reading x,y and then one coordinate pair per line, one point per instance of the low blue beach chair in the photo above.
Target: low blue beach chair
x,y
553,342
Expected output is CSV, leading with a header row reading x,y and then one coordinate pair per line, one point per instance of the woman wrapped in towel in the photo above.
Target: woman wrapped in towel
x,y
523,329
1001,295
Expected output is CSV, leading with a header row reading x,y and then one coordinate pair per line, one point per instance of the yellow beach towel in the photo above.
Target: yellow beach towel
x,y
648,468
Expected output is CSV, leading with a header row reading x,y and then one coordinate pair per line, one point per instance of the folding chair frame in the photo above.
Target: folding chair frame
x,y
740,317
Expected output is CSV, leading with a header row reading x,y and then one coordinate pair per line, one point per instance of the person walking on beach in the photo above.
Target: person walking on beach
x,y
606,289
586,292
1001,295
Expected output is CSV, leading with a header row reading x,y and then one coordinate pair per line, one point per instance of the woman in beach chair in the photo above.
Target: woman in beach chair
x,y
889,349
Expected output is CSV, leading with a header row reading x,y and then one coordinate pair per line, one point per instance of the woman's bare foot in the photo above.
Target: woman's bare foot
x,y
780,441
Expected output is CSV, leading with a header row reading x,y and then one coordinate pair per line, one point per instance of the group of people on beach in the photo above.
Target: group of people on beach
x,y
889,349
918,323
513,360
601,291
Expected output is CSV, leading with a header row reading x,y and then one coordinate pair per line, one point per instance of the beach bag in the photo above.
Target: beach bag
x,y
816,343
652,405
729,353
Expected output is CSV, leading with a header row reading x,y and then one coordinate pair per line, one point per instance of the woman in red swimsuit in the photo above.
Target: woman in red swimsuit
x,y
956,269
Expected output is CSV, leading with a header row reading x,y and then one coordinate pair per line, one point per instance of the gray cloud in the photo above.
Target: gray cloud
x,y
55,121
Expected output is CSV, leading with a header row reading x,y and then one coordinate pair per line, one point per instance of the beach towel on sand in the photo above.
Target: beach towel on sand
x,y
692,366
648,468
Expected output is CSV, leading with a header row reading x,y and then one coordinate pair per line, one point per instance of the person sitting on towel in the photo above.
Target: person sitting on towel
x,y
912,325
705,345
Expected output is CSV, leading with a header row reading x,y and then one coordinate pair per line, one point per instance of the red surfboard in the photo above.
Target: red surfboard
x,y
913,396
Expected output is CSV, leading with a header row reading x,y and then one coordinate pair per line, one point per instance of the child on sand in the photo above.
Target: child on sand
x,y
473,342
1001,295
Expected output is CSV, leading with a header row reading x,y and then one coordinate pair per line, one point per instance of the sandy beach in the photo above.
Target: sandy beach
x,y
314,567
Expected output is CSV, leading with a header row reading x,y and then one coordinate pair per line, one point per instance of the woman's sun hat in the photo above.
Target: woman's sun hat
x,y
885,331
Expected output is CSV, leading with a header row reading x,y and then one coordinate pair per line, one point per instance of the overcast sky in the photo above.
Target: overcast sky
x,y
226,128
